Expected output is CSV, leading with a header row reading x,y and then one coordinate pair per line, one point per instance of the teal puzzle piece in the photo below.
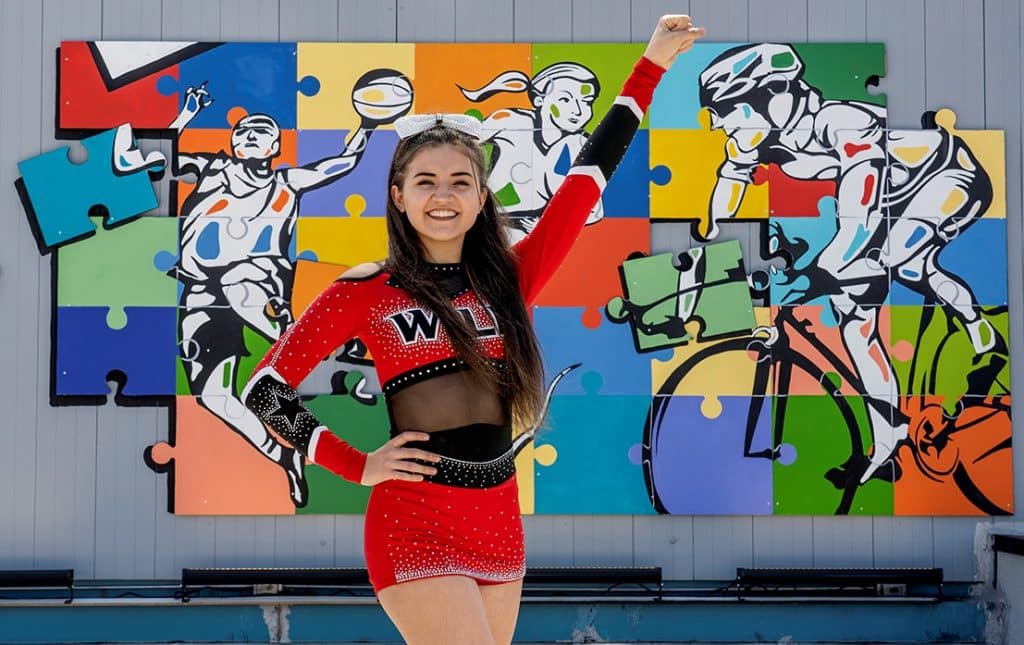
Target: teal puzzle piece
x,y
58,194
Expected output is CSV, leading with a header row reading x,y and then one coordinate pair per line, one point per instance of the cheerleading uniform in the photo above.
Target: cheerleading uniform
x,y
464,520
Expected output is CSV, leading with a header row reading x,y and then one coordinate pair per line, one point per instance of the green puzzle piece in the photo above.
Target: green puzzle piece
x,y
365,427
660,298
115,268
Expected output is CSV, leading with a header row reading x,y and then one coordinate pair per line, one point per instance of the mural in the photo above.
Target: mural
x,y
821,339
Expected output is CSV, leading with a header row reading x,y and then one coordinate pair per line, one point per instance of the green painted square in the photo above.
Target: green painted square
x,y
610,62
815,428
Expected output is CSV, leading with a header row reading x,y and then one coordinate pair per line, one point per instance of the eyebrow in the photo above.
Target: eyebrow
x,y
426,173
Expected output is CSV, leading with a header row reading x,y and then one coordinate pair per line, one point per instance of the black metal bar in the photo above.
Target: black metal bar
x,y
235,577
40,579
846,579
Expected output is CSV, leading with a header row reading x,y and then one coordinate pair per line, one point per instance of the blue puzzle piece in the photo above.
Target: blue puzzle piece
x,y
985,238
627,193
596,466
87,351
607,350
697,465
368,178
676,101
61,193
258,77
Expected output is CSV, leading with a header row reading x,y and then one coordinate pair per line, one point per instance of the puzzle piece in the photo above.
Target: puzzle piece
x,y
212,470
58,194
588,456
236,260
87,351
718,367
805,342
363,422
126,266
250,76
820,473
216,472
662,292
337,67
696,463
837,71
830,260
213,144
959,279
933,353
361,192
588,276
973,149
607,350
472,78
344,241
957,459
103,84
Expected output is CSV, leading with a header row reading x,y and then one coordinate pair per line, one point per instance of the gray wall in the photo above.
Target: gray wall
x,y
74,491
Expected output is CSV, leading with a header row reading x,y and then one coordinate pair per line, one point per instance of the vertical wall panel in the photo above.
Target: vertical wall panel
x,y
725,20
900,25
425,22
478,22
367,20
644,14
309,20
600,21
836,20
540,21
720,544
954,59
778,20
131,19
1004,95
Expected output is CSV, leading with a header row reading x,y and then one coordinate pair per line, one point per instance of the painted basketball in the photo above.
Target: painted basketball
x,y
382,95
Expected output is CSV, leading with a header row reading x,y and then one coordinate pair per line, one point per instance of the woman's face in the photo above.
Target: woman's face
x,y
442,197
568,104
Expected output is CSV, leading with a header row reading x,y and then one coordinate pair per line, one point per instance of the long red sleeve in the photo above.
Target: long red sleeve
x,y
542,251
334,317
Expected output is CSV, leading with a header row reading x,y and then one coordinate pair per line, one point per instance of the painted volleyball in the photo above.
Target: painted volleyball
x,y
382,95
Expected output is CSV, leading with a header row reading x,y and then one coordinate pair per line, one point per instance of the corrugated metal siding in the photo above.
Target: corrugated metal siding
x,y
74,490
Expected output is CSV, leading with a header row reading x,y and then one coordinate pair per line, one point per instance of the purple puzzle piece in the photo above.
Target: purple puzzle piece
x,y
368,178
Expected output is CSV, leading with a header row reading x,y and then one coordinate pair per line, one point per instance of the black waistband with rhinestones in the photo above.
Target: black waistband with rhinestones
x,y
474,456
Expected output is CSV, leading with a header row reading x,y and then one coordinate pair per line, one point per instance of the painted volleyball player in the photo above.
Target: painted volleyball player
x,y
237,228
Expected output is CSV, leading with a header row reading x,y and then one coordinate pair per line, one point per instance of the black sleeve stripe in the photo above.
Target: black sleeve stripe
x,y
607,146
278,405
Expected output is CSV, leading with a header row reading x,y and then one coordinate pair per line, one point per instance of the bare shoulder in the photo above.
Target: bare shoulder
x,y
363,271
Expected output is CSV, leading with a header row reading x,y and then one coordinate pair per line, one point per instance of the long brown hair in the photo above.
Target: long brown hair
x,y
492,273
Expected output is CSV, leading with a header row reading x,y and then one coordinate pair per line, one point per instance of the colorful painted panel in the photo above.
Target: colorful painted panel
x,y
826,336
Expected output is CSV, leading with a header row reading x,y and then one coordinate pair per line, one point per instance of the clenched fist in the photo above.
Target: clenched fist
x,y
673,35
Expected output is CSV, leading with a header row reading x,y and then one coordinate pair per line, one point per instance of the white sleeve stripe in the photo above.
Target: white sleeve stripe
x,y
593,172
313,440
630,102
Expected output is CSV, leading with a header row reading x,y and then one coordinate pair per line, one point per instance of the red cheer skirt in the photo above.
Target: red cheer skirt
x,y
417,530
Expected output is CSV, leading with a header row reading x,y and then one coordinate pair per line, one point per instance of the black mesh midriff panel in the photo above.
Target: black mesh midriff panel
x,y
445,402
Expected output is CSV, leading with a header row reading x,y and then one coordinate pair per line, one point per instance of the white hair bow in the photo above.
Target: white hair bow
x,y
414,124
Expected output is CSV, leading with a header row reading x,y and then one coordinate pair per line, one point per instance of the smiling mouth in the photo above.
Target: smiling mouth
x,y
442,214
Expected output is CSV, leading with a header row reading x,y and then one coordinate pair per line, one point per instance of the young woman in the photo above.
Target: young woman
x,y
446,321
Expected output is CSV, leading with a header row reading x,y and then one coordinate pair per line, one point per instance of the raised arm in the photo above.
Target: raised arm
x,y
541,252
333,318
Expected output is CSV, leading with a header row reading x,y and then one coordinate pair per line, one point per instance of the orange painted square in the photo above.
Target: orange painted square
x,y
219,141
442,67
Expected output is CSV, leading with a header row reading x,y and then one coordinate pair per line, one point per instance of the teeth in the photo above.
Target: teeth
x,y
442,214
